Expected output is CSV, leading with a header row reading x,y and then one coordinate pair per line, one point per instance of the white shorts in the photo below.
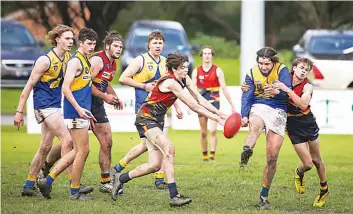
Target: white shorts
x,y
77,123
41,114
166,121
274,119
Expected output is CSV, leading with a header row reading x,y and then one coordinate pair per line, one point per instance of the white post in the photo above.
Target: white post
x,y
252,33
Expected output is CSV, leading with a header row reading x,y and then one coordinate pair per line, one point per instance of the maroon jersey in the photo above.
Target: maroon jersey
x,y
157,103
298,90
208,84
106,74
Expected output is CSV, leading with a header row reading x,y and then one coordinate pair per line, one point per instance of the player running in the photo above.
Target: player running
x,y
46,82
209,78
302,128
142,74
150,123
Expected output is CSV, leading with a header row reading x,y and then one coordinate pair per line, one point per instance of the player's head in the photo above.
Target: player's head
x,y
113,44
266,57
178,64
155,42
207,53
301,67
87,39
61,36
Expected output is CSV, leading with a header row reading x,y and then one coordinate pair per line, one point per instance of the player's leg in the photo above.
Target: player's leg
x,y
306,164
104,135
159,175
38,160
256,125
273,146
155,158
314,146
160,141
203,131
213,139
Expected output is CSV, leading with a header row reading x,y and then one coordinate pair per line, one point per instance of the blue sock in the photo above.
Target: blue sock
x,y
29,182
264,192
50,180
75,189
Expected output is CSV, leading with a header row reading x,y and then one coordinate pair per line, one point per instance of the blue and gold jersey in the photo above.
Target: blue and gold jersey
x,y
151,71
81,88
257,81
47,91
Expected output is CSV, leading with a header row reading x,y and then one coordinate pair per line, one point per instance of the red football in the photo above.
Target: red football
x,y
232,125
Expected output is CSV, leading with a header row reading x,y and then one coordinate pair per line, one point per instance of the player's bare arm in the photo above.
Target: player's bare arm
x,y
96,66
133,68
73,68
178,110
200,99
223,85
189,100
39,68
301,102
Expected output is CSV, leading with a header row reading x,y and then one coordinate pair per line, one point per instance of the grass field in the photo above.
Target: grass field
x,y
215,187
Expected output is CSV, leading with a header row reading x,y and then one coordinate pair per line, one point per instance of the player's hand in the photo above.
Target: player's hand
x,y
85,114
244,122
222,115
244,87
221,121
233,109
111,99
179,113
281,86
119,105
149,86
18,121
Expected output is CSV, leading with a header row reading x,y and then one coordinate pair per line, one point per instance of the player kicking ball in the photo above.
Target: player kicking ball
x,y
150,123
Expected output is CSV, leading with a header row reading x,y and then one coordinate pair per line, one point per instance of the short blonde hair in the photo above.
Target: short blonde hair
x,y
56,32
155,34
204,47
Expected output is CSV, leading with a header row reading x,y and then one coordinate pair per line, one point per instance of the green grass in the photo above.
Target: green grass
x,y
10,99
219,187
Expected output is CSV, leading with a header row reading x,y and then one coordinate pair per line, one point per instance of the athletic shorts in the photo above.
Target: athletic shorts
x,y
98,110
41,114
142,125
77,123
302,129
274,119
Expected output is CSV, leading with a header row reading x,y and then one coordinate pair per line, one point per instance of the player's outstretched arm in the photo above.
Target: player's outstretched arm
x,y
247,97
41,65
190,101
223,85
74,67
200,99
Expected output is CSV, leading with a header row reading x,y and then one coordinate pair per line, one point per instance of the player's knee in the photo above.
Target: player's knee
x,y
155,167
213,133
318,163
254,128
308,164
170,152
204,134
272,161
67,142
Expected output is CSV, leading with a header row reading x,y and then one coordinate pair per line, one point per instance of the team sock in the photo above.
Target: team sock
x,y
75,188
69,176
323,188
205,155
264,192
173,191
50,179
212,154
105,178
159,177
30,181
124,178
120,166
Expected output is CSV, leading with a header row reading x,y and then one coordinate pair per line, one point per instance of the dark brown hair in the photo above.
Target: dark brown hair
x,y
267,52
87,33
175,60
155,34
111,37
204,47
56,32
